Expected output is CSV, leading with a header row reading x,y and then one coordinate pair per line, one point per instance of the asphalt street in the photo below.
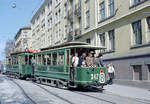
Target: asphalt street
x,y
15,91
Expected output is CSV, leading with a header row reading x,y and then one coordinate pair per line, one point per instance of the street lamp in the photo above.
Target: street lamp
x,y
13,5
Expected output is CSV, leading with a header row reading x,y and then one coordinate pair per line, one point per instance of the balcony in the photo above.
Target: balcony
x,y
77,33
70,36
78,9
70,15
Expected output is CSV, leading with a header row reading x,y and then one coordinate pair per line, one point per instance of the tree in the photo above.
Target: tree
x,y
9,47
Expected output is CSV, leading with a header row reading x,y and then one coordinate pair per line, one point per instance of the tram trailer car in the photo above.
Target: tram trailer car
x,y
54,67
18,65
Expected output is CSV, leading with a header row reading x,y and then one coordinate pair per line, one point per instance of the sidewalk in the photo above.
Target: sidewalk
x,y
127,91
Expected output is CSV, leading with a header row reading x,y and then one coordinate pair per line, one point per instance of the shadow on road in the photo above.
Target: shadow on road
x,y
88,89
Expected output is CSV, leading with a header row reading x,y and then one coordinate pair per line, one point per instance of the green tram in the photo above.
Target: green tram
x,y
53,66
19,65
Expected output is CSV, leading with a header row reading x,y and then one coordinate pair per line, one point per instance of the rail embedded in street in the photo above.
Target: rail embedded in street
x,y
23,91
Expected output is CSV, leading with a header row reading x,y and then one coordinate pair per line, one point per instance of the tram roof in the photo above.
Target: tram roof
x,y
18,53
73,45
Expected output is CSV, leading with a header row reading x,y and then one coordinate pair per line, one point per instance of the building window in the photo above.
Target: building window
x,y
111,7
50,4
134,2
25,35
102,11
65,10
137,33
88,41
56,20
102,39
87,19
66,31
137,72
56,1
148,29
111,40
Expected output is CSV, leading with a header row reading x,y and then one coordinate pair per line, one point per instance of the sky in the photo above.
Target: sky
x,y
11,19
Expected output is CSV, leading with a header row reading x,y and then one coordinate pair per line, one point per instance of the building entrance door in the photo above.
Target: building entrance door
x,y
137,72
148,72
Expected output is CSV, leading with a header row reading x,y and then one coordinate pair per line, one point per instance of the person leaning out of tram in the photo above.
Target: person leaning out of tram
x,y
81,59
100,60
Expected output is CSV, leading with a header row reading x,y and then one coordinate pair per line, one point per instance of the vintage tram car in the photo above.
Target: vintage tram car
x,y
53,66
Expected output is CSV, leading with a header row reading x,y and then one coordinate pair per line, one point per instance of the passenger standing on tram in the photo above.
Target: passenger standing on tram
x,y
95,60
81,59
100,59
89,60
33,65
75,60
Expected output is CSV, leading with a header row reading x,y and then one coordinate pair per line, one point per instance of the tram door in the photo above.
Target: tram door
x,y
32,63
71,69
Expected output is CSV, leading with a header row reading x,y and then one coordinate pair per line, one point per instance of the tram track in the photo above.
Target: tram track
x,y
93,97
54,94
23,91
100,99
144,101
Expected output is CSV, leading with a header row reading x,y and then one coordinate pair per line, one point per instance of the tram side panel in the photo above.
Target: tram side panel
x,y
90,76
55,71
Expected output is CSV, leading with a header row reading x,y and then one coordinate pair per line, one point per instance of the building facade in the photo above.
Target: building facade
x,y
122,26
23,39
56,22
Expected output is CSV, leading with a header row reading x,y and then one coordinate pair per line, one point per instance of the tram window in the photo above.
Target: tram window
x,y
30,57
39,59
49,59
61,58
16,60
67,57
43,59
26,59
23,60
54,59
13,61
9,61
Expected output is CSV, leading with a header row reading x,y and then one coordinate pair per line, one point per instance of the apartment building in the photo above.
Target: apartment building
x,y
55,22
122,26
23,39
47,24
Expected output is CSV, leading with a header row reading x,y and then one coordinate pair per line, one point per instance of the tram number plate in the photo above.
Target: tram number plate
x,y
94,76
102,78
